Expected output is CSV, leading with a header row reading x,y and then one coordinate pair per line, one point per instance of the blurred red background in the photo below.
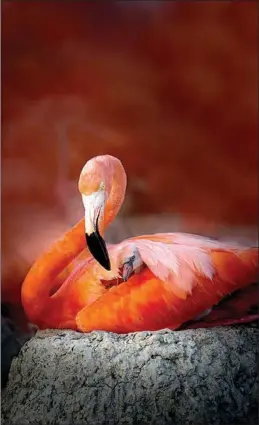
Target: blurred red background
x,y
168,87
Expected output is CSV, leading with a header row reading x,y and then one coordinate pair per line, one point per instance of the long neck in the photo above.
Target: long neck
x,y
117,192
41,277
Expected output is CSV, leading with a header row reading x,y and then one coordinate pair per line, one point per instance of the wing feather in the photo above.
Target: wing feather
x,y
183,260
179,265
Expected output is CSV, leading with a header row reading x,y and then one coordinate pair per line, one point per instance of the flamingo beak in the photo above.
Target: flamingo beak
x,y
97,247
94,240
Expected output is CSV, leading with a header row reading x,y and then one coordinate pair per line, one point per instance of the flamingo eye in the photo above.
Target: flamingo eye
x,y
130,260
102,186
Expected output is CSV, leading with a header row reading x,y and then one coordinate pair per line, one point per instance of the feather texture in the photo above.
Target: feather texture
x,y
174,277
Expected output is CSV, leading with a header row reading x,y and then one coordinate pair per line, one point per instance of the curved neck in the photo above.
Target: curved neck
x,y
43,274
41,277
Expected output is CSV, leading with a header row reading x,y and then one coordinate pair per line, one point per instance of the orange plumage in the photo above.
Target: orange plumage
x,y
149,282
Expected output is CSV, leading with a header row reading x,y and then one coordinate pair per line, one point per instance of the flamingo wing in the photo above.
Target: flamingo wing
x,y
177,264
217,268
180,282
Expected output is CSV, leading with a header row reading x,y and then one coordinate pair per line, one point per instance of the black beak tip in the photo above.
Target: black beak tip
x,y
98,249
106,264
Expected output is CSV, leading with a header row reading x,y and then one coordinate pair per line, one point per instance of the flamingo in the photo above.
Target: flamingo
x,y
148,282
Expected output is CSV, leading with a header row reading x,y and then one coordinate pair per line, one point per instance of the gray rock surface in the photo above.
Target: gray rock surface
x,y
199,377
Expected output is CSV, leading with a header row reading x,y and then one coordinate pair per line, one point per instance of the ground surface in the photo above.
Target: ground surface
x,y
191,377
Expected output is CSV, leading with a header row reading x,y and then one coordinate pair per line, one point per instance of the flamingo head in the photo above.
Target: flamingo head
x,y
94,187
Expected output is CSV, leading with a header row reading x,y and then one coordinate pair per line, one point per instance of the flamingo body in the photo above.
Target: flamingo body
x,y
170,278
